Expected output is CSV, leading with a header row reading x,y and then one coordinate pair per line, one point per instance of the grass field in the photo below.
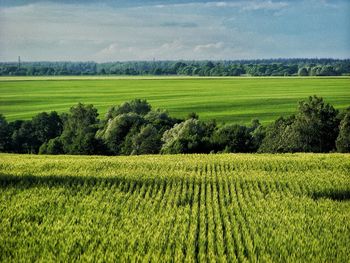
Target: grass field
x,y
227,208
223,99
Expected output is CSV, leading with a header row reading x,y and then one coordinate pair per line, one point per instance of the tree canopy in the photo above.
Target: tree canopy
x,y
264,67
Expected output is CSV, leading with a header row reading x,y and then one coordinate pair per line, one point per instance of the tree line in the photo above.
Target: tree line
x,y
266,67
133,128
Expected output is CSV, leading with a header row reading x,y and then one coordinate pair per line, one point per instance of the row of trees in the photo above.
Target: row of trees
x,y
134,128
272,67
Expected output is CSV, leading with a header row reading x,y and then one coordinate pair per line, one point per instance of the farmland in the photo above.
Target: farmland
x,y
234,208
225,99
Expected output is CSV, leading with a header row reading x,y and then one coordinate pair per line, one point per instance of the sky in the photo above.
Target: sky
x,y
125,30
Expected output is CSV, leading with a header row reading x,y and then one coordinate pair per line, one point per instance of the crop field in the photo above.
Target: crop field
x,y
192,208
227,100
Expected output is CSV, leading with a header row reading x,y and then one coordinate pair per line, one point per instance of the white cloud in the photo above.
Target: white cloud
x,y
241,5
207,30
265,5
206,47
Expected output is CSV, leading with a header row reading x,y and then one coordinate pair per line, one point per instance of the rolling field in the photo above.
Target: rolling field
x,y
193,208
224,99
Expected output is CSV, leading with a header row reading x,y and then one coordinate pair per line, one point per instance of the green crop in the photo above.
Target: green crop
x,y
230,100
226,208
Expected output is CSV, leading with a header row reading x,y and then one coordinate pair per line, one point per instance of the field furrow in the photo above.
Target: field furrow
x,y
180,208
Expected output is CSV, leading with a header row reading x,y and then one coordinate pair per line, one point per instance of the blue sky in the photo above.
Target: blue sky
x,y
170,30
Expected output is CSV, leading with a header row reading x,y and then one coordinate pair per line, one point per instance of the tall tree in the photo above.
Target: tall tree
x,y
343,140
190,136
78,136
316,126
115,132
5,135
46,126
138,106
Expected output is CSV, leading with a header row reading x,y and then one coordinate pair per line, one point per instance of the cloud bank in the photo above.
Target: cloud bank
x,y
171,30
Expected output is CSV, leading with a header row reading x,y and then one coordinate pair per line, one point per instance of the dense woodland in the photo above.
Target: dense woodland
x,y
266,67
133,128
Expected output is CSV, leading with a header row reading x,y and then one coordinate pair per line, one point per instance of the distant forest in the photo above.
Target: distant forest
x,y
265,67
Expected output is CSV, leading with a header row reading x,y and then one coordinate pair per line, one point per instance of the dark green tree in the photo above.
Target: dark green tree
x,y
5,135
258,133
316,126
279,136
78,136
190,136
161,120
138,106
313,129
117,133
233,138
343,140
147,141
192,115
303,72
46,126
53,146
24,139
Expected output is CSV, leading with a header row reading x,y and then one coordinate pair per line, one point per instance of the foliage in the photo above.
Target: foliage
x,y
315,126
115,132
233,138
258,133
5,135
147,141
161,120
343,140
53,146
47,126
192,115
236,138
78,136
190,136
133,128
313,129
303,72
278,136
24,139
140,107
265,67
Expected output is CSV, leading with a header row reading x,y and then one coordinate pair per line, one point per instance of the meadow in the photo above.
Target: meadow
x,y
228,100
192,208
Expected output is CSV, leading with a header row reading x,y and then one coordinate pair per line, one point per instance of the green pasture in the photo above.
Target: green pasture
x,y
224,99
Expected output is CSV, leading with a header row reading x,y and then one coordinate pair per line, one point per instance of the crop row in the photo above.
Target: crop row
x,y
194,208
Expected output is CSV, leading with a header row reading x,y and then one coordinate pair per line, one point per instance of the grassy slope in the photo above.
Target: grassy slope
x,y
225,99
276,208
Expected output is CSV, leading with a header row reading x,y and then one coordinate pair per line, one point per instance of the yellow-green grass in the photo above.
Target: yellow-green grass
x,y
224,99
228,208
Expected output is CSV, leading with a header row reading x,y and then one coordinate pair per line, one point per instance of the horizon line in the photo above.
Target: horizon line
x,y
176,60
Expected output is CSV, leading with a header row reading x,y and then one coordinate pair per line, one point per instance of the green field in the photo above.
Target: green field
x,y
223,99
223,208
